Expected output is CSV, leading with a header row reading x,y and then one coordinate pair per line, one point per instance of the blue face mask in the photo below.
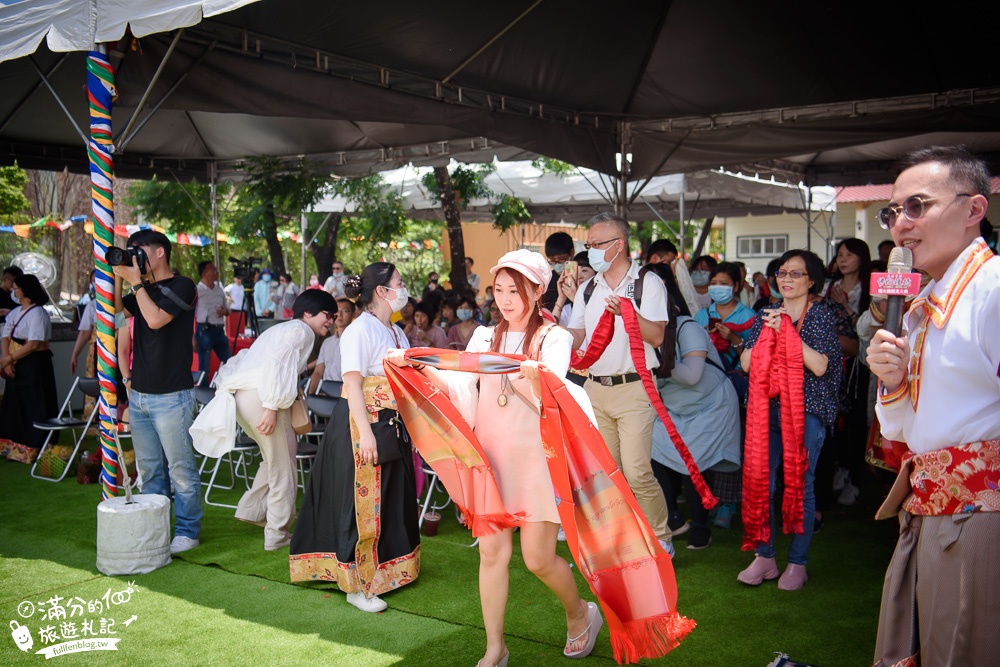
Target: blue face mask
x,y
597,261
721,294
266,278
464,314
776,293
699,278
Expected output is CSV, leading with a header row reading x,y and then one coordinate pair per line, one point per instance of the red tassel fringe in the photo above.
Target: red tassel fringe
x,y
650,637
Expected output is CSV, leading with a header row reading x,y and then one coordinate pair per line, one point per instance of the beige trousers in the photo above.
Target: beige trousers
x,y
625,419
940,600
272,496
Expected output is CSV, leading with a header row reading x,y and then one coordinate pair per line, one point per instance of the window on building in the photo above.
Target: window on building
x,y
761,246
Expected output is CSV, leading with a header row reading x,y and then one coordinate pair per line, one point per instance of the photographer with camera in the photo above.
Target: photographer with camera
x,y
161,393
210,314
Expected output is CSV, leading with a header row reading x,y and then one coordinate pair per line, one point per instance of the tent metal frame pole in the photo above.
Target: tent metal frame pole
x,y
149,87
320,228
624,166
145,119
37,86
83,137
215,213
302,239
680,215
488,44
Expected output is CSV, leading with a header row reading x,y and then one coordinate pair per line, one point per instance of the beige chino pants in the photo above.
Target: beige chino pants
x,y
272,496
625,419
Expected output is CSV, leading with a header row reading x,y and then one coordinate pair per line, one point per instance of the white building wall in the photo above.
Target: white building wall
x,y
789,225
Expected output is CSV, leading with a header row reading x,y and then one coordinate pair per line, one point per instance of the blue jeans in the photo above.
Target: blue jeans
x,y
164,454
815,433
211,339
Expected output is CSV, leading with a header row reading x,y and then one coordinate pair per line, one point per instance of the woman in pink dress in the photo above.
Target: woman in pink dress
x,y
507,426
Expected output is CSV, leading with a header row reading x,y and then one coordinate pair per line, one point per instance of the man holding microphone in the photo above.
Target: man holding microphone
x,y
939,391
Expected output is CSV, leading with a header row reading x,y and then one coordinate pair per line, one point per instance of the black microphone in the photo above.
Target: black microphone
x,y
900,261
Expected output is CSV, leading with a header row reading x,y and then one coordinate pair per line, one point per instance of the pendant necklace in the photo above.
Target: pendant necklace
x,y
389,326
504,380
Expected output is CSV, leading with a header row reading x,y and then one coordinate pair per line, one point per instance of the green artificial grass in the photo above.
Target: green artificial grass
x,y
228,602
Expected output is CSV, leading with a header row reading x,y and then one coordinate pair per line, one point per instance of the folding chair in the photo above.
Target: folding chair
x,y
331,388
244,451
432,484
321,409
65,421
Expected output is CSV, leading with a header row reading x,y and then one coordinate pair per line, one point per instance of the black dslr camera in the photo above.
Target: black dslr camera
x,y
244,269
123,257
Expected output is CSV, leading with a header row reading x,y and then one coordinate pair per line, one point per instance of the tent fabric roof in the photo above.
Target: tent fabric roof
x,y
779,86
579,196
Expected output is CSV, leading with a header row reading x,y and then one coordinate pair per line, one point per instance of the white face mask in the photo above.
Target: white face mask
x,y
400,300
597,261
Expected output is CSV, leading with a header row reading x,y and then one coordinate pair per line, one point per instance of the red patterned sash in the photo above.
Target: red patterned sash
x,y
955,480
608,536
775,370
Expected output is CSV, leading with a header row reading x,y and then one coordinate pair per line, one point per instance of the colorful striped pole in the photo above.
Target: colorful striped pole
x,y
100,94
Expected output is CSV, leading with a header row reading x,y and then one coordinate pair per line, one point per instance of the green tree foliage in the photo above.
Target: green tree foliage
x,y
509,211
13,179
187,207
378,210
548,165
275,192
469,183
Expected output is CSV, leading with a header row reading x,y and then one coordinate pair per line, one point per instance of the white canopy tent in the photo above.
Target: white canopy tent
x,y
578,196
77,25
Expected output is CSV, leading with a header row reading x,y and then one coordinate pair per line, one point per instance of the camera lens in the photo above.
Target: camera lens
x,y
116,256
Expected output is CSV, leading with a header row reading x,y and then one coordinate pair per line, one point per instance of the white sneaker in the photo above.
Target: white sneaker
x,y
181,543
372,605
669,548
849,495
561,535
840,479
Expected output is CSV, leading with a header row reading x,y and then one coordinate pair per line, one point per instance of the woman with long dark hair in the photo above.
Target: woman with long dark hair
x,y
26,364
507,426
850,293
852,278
358,524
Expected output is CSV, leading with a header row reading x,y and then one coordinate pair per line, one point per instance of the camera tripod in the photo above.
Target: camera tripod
x,y
247,318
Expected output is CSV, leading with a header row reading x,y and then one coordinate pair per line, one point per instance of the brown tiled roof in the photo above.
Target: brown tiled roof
x,y
872,193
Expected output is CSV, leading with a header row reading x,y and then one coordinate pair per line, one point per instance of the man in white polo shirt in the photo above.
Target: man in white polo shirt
x,y
210,320
624,414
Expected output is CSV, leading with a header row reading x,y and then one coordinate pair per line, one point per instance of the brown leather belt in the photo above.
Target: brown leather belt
x,y
612,380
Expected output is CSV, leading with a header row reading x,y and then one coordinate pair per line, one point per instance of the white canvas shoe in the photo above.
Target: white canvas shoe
x,y
372,605
181,543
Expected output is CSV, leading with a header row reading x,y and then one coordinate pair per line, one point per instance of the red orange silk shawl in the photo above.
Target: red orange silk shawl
x,y
775,370
599,341
608,536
